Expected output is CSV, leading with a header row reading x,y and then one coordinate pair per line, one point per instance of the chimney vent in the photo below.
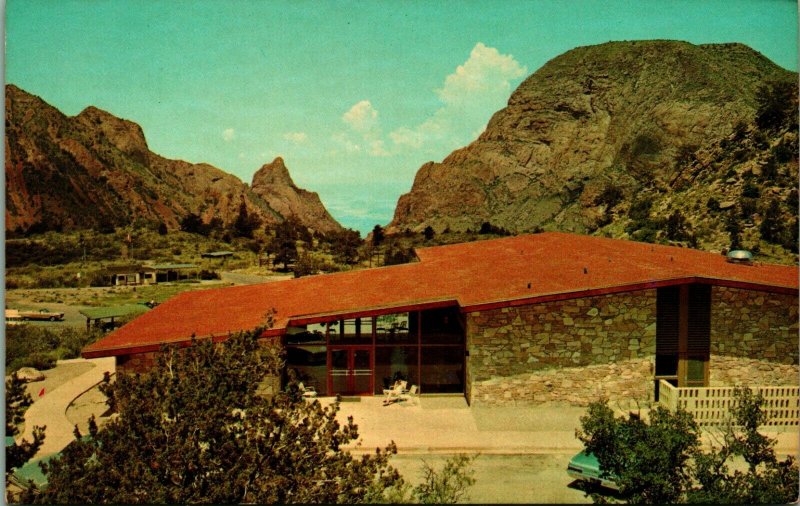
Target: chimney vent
x,y
740,256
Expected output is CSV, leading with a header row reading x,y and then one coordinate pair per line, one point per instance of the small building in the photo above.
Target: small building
x,y
217,254
173,272
123,275
97,316
549,317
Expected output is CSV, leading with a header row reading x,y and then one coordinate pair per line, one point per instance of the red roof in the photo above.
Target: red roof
x,y
476,275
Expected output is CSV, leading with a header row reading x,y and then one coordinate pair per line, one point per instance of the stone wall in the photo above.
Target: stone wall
x,y
137,362
751,324
736,371
579,346
625,383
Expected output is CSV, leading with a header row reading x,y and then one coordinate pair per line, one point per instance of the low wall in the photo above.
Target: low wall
x,y
625,383
725,371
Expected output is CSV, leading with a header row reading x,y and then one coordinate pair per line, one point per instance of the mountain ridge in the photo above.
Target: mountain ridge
x,y
95,169
598,127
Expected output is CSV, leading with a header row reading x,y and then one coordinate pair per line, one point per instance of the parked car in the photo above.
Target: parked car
x,y
42,314
13,317
585,467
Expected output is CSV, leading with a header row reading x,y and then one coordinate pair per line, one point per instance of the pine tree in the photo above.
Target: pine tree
x,y
195,431
17,402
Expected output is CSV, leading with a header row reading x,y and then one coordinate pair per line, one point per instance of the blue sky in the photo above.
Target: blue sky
x,y
355,96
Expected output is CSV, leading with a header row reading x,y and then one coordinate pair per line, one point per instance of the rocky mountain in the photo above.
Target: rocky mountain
x,y
273,183
614,139
95,169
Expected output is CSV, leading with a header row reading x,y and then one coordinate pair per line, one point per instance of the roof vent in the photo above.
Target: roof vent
x,y
740,256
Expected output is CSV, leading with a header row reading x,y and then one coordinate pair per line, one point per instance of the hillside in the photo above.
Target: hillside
x,y
652,140
94,170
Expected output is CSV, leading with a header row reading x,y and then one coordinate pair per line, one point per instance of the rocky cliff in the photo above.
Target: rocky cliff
x,y
594,131
95,169
273,183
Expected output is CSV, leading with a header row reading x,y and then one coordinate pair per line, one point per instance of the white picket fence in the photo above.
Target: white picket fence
x,y
712,405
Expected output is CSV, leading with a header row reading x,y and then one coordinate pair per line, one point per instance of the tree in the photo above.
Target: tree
x,y
377,236
448,486
245,223
344,246
777,105
162,229
284,244
767,479
648,461
771,224
17,402
192,223
194,430
662,462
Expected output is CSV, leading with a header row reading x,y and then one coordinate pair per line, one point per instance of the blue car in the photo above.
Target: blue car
x,y
585,467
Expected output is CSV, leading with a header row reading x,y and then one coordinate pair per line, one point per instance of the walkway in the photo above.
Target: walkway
x,y
51,409
447,425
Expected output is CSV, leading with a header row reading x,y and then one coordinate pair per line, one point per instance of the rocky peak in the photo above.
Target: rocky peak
x,y
274,173
273,183
593,129
126,135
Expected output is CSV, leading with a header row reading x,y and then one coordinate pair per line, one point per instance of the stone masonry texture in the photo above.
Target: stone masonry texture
x,y
576,351
754,338
570,351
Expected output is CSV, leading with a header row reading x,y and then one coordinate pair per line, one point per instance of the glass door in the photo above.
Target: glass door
x,y
350,371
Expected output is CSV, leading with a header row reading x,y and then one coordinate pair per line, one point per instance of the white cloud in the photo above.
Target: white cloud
x,y
486,72
377,148
344,141
407,137
469,96
296,137
362,117
228,134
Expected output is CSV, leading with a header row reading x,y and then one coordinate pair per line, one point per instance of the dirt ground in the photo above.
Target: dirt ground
x,y
525,479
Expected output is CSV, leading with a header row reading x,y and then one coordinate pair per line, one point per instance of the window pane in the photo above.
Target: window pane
x,y
396,328
442,369
442,326
352,331
394,363
305,334
666,365
308,364
695,370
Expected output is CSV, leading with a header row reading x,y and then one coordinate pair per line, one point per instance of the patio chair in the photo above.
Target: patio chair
x,y
393,394
308,392
410,396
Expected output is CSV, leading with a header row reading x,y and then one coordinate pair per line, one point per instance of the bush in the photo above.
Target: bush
x,y
204,274
777,105
750,190
40,347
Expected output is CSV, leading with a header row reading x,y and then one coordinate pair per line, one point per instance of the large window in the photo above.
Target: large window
x,y
307,356
424,348
683,328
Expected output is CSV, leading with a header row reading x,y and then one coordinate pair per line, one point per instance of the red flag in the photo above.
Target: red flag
x,y
41,392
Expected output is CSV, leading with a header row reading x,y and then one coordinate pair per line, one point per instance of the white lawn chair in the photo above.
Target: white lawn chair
x,y
308,392
410,396
393,394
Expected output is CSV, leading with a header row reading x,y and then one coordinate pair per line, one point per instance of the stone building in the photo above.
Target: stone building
x,y
544,318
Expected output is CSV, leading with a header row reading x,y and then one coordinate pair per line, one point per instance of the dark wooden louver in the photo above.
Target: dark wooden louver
x,y
699,342
667,316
